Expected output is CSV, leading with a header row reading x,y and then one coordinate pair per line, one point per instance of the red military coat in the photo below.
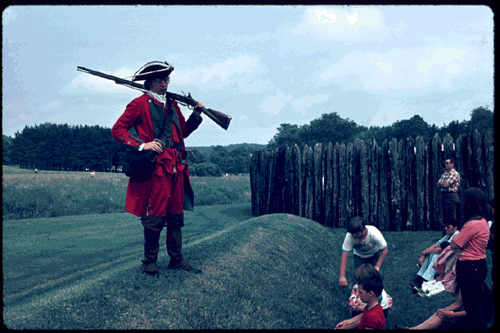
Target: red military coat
x,y
138,115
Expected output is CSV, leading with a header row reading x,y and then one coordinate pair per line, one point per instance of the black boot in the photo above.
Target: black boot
x,y
174,248
152,229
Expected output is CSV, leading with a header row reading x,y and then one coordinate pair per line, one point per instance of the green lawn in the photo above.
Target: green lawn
x,y
272,272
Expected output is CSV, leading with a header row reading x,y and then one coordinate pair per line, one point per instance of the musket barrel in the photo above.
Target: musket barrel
x,y
218,117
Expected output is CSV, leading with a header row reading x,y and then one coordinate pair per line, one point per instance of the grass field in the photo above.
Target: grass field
x,y
276,271
56,193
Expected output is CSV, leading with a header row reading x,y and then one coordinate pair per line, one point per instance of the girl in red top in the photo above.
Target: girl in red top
x,y
471,266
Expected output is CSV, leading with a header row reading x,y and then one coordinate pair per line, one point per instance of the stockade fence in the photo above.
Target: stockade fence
x,y
393,186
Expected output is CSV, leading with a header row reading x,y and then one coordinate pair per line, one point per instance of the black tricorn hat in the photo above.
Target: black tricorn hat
x,y
153,70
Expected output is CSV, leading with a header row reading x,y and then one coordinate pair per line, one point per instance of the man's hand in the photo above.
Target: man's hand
x,y
377,268
343,282
153,145
197,109
421,260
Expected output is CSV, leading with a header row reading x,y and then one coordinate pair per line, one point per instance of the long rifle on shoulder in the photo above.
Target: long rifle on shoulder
x,y
218,117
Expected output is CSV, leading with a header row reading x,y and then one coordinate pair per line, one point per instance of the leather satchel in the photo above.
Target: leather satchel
x,y
141,164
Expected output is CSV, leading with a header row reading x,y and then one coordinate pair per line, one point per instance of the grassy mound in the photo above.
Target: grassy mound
x,y
276,271
266,272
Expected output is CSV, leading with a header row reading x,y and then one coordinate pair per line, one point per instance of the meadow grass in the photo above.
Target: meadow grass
x,y
57,193
276,271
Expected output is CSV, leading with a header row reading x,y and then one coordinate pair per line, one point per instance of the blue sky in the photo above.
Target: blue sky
x,y
263,65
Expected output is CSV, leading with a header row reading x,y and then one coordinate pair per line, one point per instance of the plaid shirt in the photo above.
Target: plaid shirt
x,y
452,177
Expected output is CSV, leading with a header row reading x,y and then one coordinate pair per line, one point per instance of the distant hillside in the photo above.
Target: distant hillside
x,y
207,150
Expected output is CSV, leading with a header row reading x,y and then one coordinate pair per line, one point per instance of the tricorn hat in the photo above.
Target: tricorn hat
x,y
153,70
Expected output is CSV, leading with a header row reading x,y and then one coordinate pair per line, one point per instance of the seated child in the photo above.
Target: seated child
x,y
429,256
385,300
370,289
363,272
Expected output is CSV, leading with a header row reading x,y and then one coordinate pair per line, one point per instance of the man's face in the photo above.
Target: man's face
x,y
159,86
450,229
448,165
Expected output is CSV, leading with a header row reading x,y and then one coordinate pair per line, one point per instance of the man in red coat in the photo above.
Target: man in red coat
x,y
154,125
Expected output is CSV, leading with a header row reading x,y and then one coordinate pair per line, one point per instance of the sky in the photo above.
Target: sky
x,y
262,65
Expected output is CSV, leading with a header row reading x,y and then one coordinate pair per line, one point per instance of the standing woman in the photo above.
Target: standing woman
x,y
471,265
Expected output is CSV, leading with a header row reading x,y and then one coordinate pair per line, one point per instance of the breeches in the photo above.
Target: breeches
x,y
167,195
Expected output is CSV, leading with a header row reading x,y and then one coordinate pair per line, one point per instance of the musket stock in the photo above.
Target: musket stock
x,y
218,117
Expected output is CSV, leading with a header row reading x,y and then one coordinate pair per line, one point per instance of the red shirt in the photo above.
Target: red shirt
x,y
473,239
373,318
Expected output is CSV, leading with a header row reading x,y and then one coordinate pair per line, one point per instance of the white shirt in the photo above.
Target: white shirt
x,y
373,242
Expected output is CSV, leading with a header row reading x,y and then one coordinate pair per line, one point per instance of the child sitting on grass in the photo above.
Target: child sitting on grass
x,y
370,289
364,272
356,304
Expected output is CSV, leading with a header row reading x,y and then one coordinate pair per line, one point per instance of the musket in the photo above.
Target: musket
x,y
218,117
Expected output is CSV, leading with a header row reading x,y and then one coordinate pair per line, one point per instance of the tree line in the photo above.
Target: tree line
x,y
333,128
82,148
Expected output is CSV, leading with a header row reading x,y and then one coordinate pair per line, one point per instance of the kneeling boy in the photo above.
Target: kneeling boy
x,y
369,247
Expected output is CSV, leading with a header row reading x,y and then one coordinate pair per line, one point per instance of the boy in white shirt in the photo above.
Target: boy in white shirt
x,y
368,243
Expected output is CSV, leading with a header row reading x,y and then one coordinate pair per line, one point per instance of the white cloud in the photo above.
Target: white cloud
x,y
9,15
453,69
334,23
255,86
53,105
301,104
457,110
242,69
400,69
390,111
87,82
441,56
400,28
274,104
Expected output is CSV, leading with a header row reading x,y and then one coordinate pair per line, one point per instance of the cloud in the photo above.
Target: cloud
x,y
441,56
243,70
53,105
84,82
457,109
301,104
334,24
9,15
391,110
399,69
274,104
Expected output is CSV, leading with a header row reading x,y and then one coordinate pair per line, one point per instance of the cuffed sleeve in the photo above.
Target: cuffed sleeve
x,y
192,123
